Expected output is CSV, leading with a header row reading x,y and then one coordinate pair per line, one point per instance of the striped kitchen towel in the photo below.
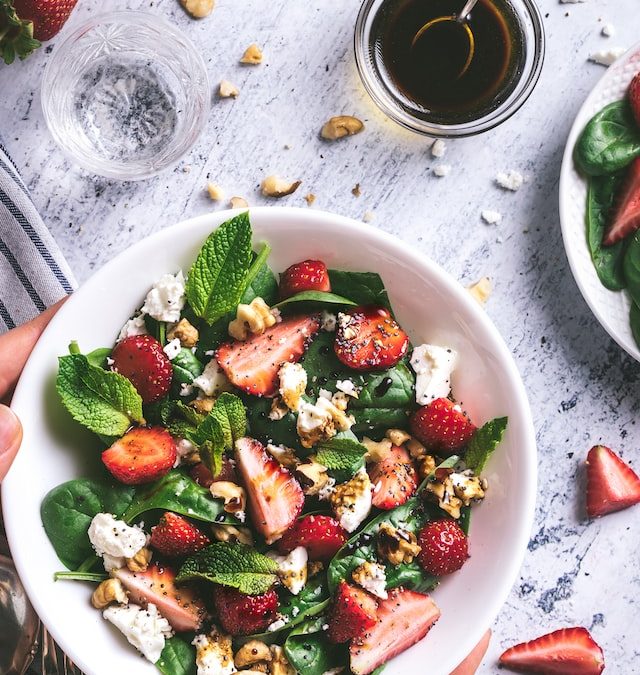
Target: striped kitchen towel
x,y
33,272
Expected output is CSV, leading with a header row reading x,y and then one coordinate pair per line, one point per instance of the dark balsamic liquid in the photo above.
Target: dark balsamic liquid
x,y
427,71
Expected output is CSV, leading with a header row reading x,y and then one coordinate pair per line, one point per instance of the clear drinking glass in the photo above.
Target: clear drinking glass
x,y
126,95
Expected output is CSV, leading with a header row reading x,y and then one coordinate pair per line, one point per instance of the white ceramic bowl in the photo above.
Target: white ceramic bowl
x,y
611,308
428,303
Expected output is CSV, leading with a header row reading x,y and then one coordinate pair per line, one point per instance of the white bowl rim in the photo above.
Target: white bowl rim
x,y
295,215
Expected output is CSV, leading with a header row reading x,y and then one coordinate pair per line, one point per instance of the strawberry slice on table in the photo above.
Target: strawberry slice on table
x,y
253,365
242,614
567,651
612,485
625,217
404,618
322,536
369,338
142,455
634,97
352,613
442,426
141,359
308,275
175,536
179,605
394,479
275,498
443,547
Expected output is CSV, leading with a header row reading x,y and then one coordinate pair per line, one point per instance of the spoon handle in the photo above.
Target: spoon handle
x,y
466,10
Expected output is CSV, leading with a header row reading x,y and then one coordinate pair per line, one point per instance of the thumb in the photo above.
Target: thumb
x,y
10,438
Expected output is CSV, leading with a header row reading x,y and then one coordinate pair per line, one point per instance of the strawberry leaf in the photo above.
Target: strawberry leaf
x,y
16,35
483,443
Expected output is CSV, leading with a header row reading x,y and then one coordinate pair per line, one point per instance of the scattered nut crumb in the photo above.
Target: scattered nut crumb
x,y
287,146
238,203
252,55
481,290
215,192
340,126
228,89
438,148
608,30
442,170
186,168
356,192
310,198
198,9
491,217
274,186
368,216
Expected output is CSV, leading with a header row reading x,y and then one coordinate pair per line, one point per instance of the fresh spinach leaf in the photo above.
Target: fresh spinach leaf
x,y
319,298
634,319
98,357
374,421
364,288
178,658
631,267
68,509
609,142
159,412
309,651
186,367
606,259
410,575
216,280
280,432
484,442
465,519
103,401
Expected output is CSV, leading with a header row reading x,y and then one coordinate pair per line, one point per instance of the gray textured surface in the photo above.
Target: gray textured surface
x,y
582,388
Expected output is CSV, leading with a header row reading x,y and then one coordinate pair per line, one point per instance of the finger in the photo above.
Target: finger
x,y
473,661
17,344
10,438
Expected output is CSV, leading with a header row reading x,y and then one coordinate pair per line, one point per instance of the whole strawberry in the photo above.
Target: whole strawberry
x,y
175,536
241,614
442,426
308,275
23,23
634,97
443,547
322,536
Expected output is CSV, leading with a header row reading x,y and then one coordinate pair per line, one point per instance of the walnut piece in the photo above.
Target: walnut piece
x,y
252,652
376,450
397,546
140,560
415,448
235,498
274,186
238,203
314,567
198,9
228,90
278,409
203,404
398,436
286,456
341,126
310,198
252,319
426,465
108,592
442,490
279,664
481,290
215,192
312,476
232,533
252,55
185,332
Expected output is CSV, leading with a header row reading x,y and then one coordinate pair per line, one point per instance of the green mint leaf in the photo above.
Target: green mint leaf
x,y
341,454
103,401
217,278
232,416
317,297
484,442
209,436
231,564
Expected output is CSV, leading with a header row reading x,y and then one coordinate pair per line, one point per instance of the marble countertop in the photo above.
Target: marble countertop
x,y
583,389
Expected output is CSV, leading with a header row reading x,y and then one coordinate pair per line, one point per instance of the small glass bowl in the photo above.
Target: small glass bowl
x,y
399,109
126,95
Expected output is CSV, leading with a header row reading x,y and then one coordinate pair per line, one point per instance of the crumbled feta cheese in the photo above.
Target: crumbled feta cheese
x,y
491,217
325,492
608,30
321,420
286,456
214,654
347,387
172,349
114,540
372,577
295,611
328,321
165,300
276,625
351,501
110,361
606,57
186,389
134,326
292,568
145,629
438,148
212,381
442,170
510,180
433,366
293,382
185,448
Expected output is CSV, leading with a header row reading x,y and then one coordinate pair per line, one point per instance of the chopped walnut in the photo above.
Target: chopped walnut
x,y
198,9
351,501
108,592
376,450
215,192
415,448
185,332
251,319
312,476
481,290
341,126
256,669
235,498
252,652
238,203
274,186
355,191
466,486
228,90
286,456
278,409
397,546
398,436
140,560
232,533
310,198
426,465
442,489
279,664
252,55
203,404
314,567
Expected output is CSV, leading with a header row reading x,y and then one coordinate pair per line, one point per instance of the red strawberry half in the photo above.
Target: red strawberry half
x,y
253,365
156,585
322,536
242,614
634,97
353,612
275,497
142,455
612,485
141,359
625,217
394,479
368,338
569,651
176,536
404,618
443,547
442,426
308,275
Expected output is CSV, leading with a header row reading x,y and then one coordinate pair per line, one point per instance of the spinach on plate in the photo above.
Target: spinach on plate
x,y
178,658
309,651
363,288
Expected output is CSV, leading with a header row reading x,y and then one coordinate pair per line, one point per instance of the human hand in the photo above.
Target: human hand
x,y
473,661
15,347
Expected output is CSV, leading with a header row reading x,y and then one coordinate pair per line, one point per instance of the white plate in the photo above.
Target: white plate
x,y
429,303
611,308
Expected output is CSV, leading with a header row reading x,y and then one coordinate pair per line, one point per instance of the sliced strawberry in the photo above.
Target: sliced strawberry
x,y
242,614
368,338
612,485
443,547
308,275
404,618
633,94
275,497
253,365
442,426
141,359
203,476
352,613
179,605
142,455
175,536
394,479
568,651
625,217
322,536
